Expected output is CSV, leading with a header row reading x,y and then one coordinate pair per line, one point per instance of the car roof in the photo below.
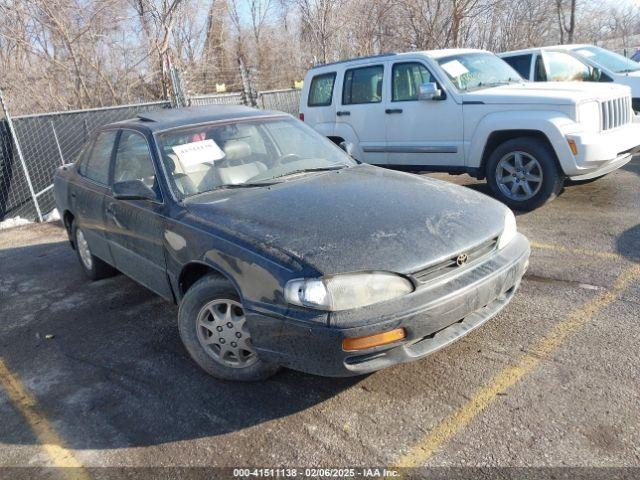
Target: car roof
x,y
435,54
525,51
168,118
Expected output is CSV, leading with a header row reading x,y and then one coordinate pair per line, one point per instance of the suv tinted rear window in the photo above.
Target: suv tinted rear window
x,y
321,90
363,85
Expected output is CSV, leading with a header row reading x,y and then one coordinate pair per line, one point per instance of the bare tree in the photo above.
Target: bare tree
x,y
567,29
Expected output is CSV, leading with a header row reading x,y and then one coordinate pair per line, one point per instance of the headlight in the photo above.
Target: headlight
x,y
350,290
589,116
509,231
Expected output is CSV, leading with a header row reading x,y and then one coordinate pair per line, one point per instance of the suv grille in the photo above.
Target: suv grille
x,y
450,264
615,112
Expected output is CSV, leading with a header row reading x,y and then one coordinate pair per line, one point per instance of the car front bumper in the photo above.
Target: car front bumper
x,y
433,316
603,152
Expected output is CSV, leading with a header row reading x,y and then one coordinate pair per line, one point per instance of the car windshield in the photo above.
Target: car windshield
x,y
244,153
472,71
608,59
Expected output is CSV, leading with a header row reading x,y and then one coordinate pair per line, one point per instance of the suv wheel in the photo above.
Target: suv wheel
x,y
213,329
523,173
93,267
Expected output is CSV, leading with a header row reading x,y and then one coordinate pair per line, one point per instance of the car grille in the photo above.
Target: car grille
x,y
451,264
615,112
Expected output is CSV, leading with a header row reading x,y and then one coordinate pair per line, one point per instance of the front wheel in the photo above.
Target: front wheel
x,y
523,173
213,328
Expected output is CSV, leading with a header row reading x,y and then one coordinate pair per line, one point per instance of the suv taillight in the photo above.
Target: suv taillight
x,y
301,116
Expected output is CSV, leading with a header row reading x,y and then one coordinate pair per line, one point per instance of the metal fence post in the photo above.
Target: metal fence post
x,y
55,137
25,170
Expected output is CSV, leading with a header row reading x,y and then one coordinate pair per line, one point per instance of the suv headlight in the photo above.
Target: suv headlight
x,y
509,231
589,116
346,291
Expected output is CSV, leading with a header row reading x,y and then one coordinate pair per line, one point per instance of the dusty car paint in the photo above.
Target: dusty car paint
x,y
355,219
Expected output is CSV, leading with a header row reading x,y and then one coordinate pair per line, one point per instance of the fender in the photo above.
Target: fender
x,y
552,124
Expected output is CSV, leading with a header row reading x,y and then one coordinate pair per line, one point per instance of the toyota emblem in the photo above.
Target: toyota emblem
x,y
462,259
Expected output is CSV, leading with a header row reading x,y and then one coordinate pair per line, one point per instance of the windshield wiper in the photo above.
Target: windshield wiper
x,y
314,169
229,186
226,186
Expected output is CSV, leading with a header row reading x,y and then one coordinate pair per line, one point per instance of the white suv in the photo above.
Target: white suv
x,y
576,63
467,111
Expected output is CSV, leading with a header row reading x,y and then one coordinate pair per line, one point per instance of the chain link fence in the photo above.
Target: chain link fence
x,y
33,146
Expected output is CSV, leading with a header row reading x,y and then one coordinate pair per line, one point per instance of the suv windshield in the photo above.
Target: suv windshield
x,y
610,60
202,158
472,71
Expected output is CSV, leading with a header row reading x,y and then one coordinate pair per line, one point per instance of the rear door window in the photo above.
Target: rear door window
x,y
363,85
321,90
521,64
96,166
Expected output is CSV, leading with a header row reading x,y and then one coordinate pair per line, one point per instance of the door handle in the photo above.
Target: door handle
x,y
393,110
341,113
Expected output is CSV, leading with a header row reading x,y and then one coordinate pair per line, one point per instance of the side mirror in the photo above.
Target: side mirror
x,y
429,91
133,190
596,73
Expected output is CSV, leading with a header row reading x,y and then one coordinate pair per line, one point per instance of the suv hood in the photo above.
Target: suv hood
x,y
547,93
358,218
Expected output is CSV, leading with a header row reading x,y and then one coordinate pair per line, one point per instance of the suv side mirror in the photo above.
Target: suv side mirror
x,y
133,190
429,91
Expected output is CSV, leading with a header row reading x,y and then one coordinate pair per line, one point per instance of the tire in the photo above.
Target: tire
x,y
212,307
93,267
544,167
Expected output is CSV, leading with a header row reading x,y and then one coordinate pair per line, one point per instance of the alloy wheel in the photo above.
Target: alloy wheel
x,y
519,176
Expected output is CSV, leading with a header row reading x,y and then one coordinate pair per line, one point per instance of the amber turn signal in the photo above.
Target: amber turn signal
x,y
362,343
573,146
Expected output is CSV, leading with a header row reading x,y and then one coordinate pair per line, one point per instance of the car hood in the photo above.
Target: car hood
x,y
355,219
547,93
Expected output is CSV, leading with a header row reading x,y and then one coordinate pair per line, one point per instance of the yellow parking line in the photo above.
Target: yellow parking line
x,y
511,374
41,427
578,251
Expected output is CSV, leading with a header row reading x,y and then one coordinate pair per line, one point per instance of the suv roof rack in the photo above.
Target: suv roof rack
x,y
390,54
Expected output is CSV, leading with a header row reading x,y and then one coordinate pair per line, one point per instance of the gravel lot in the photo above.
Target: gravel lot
x,y
550,382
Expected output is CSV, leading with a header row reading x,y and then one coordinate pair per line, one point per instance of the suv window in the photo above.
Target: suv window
x,y
363,85
96,165
406,79
133,160
562,67
521,64
321,90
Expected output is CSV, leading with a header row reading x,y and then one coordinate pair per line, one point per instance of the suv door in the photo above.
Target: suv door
x,y
136,226
421,133
361,108
87,196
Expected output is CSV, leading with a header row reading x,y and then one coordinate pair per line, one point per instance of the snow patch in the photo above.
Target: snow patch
x,y
52,216
13,222
18,221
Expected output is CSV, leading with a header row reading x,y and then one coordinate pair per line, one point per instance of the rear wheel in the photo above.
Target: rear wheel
x,y
523,173
93,267
213,328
